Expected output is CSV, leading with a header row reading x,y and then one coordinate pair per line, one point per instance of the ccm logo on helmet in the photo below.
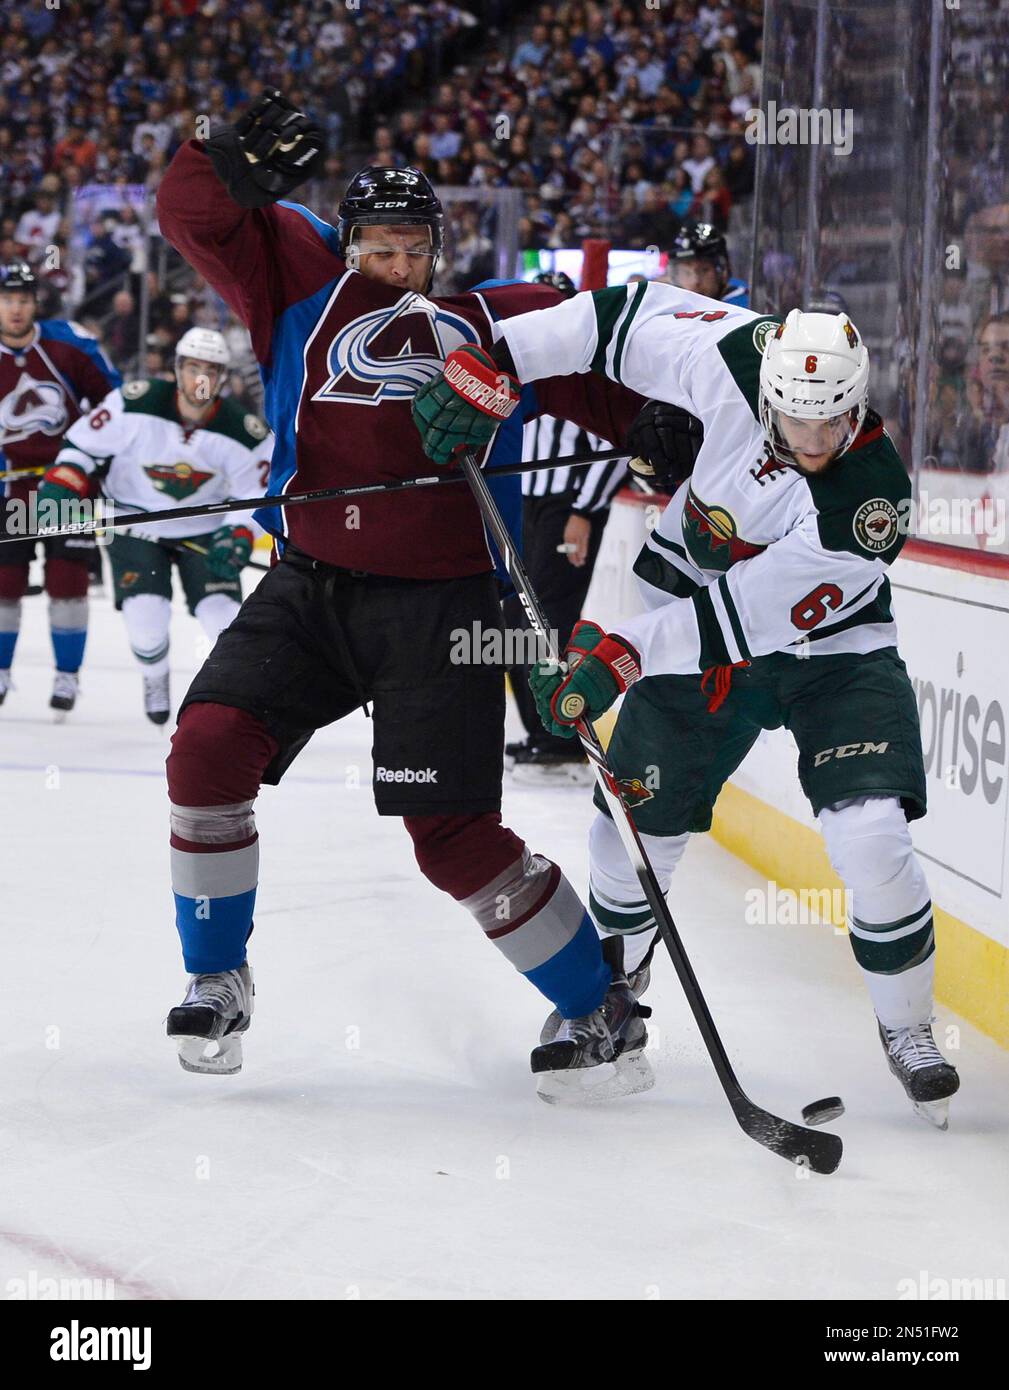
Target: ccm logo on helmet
x,y
402,203
848,750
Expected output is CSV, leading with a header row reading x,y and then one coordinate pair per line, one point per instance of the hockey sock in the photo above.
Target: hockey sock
x,y
528,909
10,625
68,627
214,771
148,619
535,919
890,911
215,870
615,898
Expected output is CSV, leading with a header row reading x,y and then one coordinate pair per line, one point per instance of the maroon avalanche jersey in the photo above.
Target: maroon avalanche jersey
x,y
342,358
44,388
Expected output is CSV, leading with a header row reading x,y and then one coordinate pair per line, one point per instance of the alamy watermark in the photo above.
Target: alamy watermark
x,y
801,125
935,517
927,1288
771,906
36,1288
33,516
478,645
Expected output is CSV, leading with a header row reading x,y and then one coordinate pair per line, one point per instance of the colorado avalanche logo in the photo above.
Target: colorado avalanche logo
x,y
33,407
389,353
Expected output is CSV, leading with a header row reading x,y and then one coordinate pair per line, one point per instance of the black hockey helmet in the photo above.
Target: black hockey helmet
x,y
557,280
825,302
699,239
18,275
379,196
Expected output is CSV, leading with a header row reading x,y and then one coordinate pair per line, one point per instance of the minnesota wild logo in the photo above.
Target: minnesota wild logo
x,y
711,538
765,329
178,480
633,791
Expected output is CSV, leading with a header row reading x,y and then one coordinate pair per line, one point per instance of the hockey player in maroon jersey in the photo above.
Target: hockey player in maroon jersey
x,y
51,372
363,605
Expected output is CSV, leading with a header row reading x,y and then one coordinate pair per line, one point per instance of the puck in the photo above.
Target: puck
x,y
821,1112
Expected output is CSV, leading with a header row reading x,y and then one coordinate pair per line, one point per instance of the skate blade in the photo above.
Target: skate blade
x,y
563,775
60,716
627,1076
935,1112
225,1061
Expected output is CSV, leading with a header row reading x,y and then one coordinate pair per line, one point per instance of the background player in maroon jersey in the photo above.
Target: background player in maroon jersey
x,y
362,608
51,372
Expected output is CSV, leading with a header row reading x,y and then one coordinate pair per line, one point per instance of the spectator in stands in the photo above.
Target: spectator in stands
x,y
38,225
712,204
740,172
534,50
77,148
445,142
122,329
701,161
654,224
157,126
988,397
105,265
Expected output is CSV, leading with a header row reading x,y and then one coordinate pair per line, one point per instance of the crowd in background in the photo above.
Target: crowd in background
x,y
614,120
611,119
100,95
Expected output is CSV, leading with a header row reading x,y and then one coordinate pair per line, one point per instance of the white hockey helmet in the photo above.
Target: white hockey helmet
x,y
203,345
815,367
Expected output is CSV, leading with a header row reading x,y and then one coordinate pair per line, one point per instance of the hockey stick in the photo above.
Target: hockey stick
x,y
13,474
196,549
809,1148
109,521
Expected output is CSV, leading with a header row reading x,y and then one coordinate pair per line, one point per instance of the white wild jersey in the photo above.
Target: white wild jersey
x,y
750,557
147,459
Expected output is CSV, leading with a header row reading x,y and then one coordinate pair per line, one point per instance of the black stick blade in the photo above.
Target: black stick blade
x,y
807,1148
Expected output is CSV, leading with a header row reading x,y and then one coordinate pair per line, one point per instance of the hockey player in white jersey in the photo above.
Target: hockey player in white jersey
x,y
770,607
153,445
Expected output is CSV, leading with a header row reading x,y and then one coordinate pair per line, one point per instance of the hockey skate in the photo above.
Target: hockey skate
x,y
613,954
209,1023
5,684
64,696
922,1070
531,764
157,705
598,1057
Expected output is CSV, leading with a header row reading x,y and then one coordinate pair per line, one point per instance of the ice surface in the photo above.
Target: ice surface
x,y
384,1139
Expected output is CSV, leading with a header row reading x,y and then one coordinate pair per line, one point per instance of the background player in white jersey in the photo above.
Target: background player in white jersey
x,y
153,445
771,606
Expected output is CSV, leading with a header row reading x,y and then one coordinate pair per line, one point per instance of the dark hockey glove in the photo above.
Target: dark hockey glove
x,y
267,152
597,667
230,548
665,441
463,406
65,485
